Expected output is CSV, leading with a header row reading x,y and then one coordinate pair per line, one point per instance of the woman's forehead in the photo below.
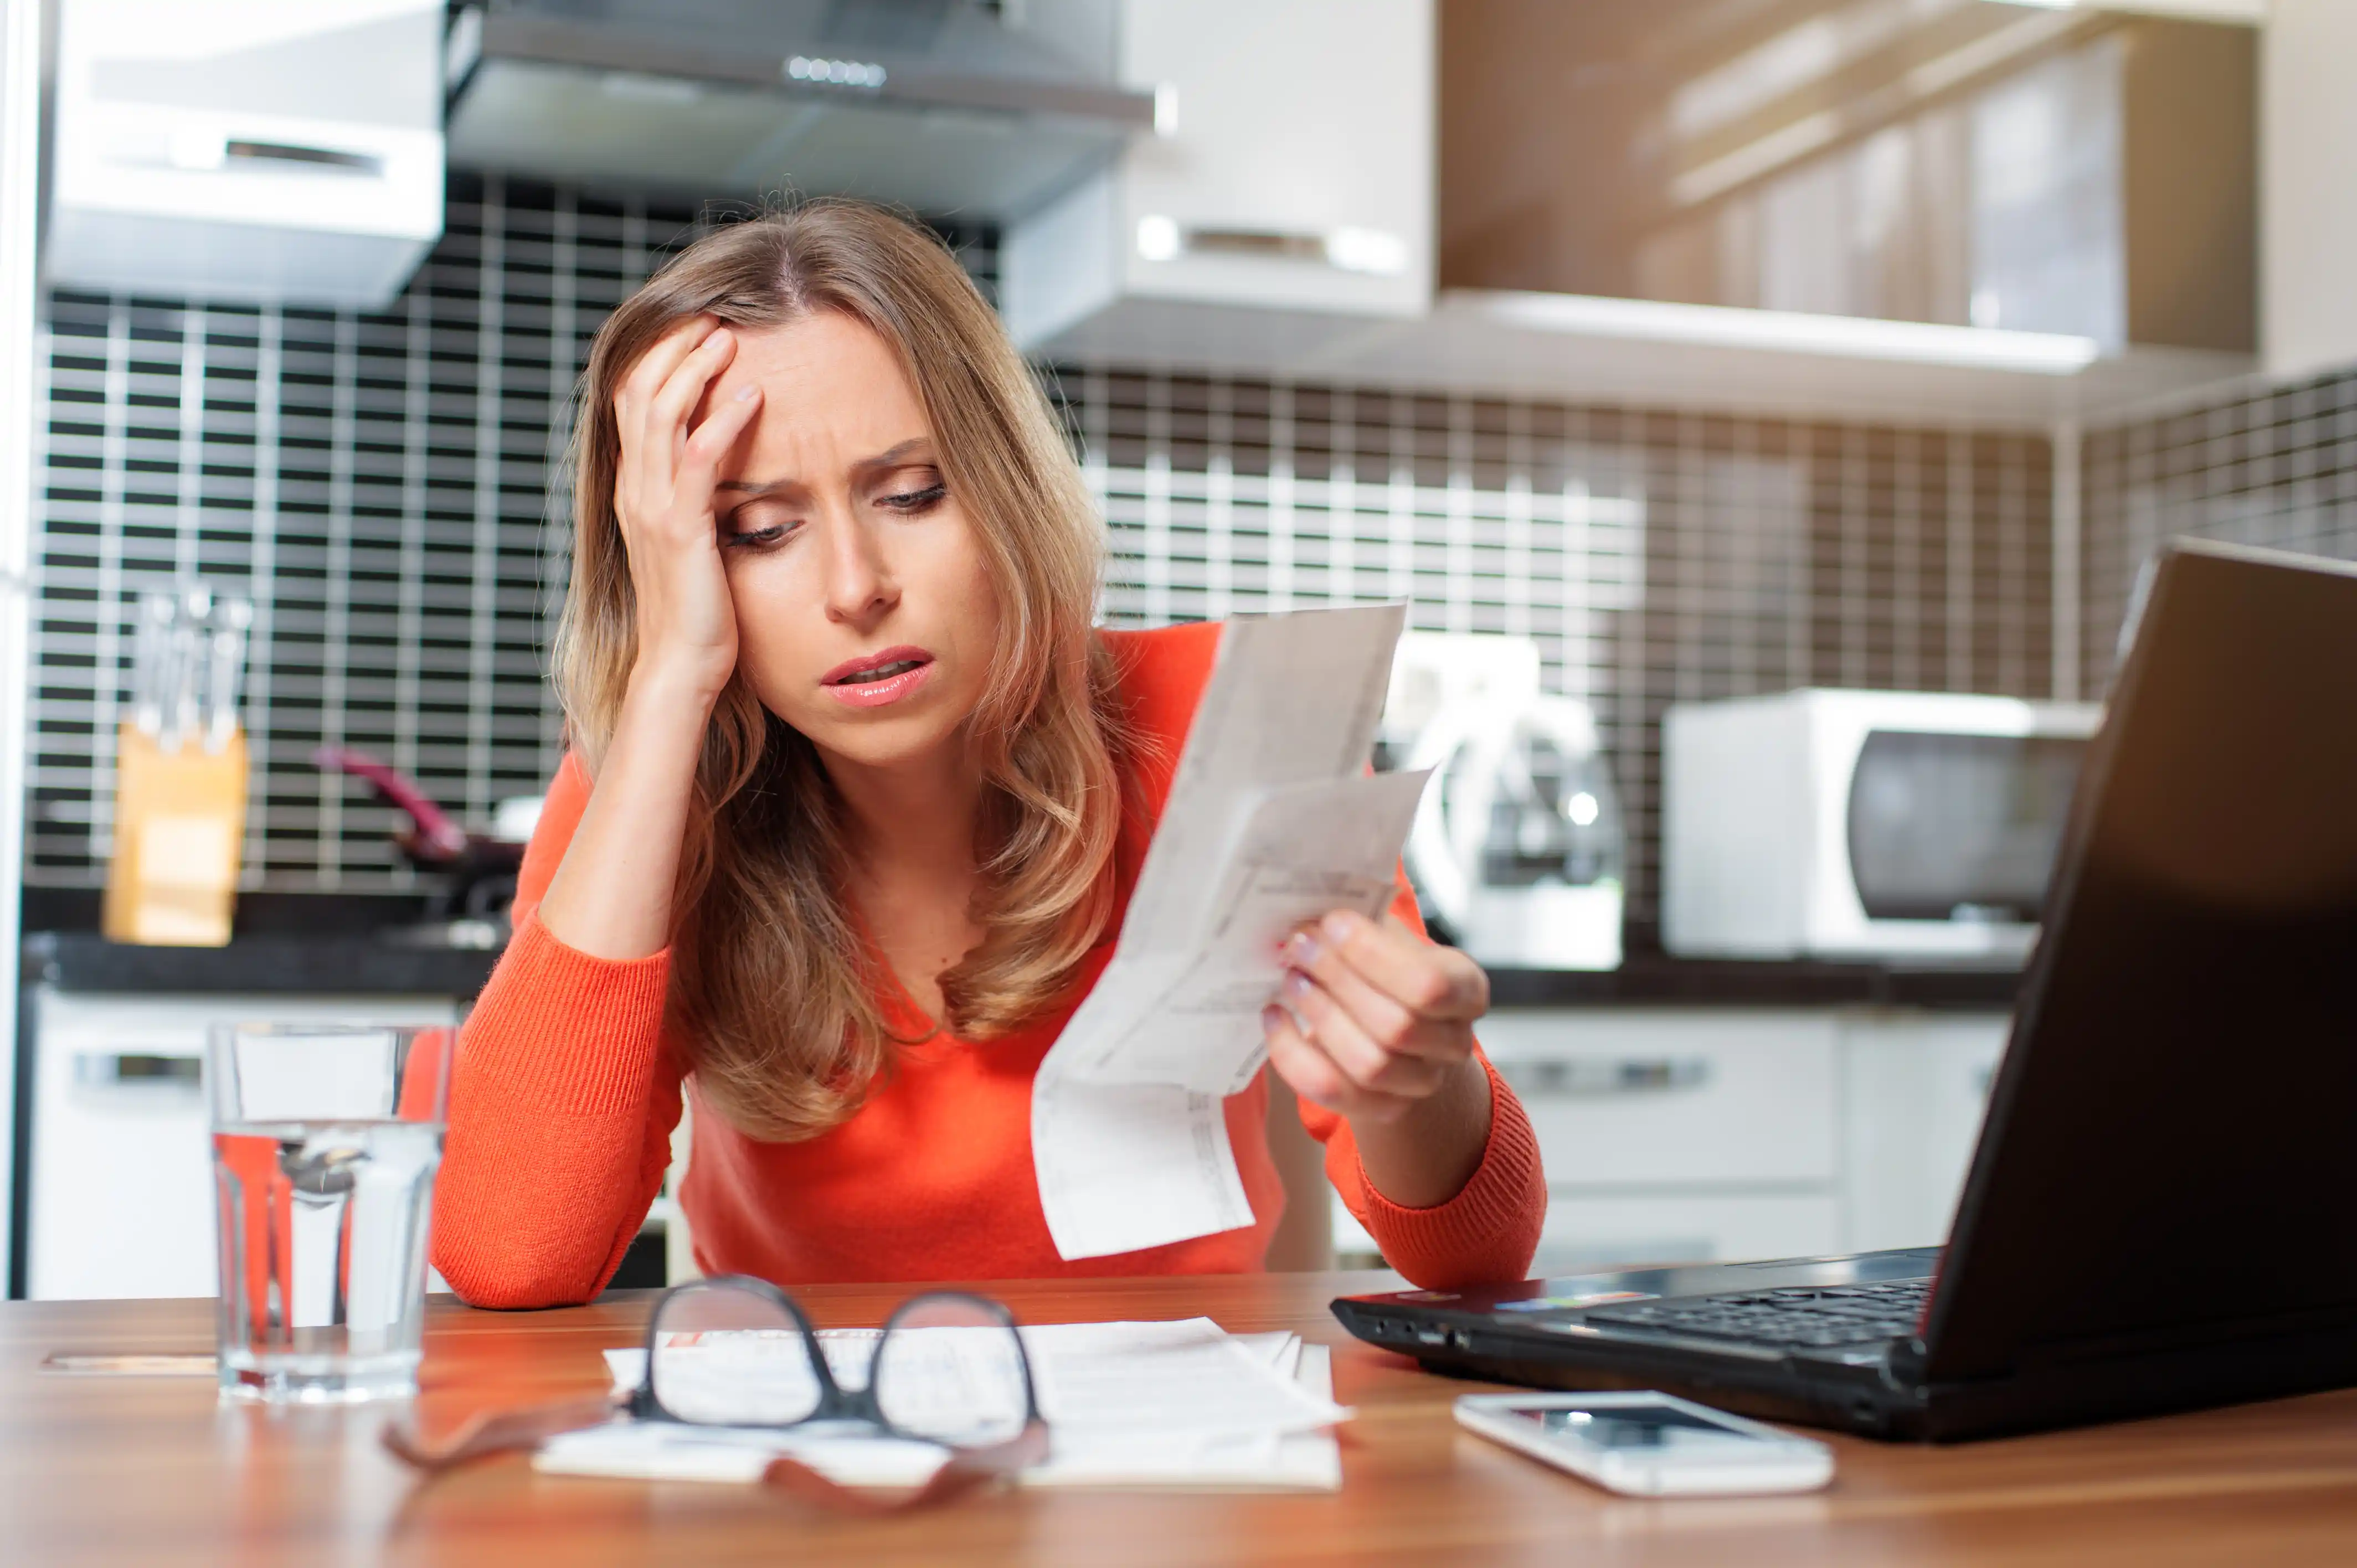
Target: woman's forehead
x,y
832,391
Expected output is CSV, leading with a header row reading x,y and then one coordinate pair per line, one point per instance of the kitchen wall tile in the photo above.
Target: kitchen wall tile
x,y
2255,463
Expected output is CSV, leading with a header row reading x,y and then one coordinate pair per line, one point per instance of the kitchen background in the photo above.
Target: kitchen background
x,y
380,484
1720,348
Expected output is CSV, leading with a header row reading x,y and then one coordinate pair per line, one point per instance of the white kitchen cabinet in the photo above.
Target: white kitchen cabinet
x,y
2307,210
1915,1086
1587,1233
275,151
1657,1098
1292,171
121,1192
1693,1135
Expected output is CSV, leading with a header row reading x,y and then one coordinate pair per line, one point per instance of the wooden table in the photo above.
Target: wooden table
x,y
152,1471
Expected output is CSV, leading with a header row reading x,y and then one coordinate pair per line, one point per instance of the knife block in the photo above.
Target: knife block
x,y
179,822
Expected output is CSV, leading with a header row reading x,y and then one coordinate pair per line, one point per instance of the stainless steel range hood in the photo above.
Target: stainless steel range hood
x,y
936,104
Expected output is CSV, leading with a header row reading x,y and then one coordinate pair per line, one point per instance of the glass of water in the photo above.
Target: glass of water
x,y
326,1139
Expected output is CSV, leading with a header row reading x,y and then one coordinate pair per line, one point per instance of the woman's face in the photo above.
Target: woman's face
x,y
865,617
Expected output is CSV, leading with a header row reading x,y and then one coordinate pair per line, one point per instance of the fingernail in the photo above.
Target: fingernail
x,y
1302,949
1337,927
1270,1018
745,394
1296,982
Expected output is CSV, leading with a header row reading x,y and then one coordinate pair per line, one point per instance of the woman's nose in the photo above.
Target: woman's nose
x,y
860,584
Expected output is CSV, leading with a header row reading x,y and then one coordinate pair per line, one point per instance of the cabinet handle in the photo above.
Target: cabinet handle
x,y
1161,239
1587,1078
118,1069
335,160
196,151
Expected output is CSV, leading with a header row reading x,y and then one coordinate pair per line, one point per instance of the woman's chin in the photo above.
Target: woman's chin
x,y
877,738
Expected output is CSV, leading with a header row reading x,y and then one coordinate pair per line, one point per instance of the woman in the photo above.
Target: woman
x,y
856,800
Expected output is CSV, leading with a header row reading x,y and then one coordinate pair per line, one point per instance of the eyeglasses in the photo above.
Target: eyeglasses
x,y
947,1367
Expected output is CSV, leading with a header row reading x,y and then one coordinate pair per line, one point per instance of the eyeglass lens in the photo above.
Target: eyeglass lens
x,y
951,1368
948,1368
725,1356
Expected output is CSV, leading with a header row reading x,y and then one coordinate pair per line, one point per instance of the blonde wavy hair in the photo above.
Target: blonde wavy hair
x,y
774,989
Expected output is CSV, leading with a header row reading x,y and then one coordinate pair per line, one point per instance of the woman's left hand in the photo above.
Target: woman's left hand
x,y
1373,1019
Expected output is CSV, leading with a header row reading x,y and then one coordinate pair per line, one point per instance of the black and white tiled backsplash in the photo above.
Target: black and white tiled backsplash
x,y
380,484
2254,464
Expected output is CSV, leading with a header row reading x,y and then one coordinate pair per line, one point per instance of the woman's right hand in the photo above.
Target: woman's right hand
x,y
663,500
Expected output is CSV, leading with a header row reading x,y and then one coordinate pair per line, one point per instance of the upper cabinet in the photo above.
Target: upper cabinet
x,y
2308,198
276,150
1292,171
1939,209
2074,171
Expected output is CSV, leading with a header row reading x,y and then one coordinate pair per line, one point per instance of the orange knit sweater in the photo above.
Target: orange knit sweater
x,y
565,1091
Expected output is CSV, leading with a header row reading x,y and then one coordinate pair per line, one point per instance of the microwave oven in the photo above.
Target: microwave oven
x,y
1864,825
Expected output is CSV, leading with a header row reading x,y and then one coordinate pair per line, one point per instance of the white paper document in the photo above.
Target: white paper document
x,y
1128,1404
1271,823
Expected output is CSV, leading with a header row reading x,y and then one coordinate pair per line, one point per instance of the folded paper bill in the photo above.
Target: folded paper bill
x,y
1271,821
1128,1404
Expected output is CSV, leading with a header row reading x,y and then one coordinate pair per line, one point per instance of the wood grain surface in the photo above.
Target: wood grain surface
x,y
152,1471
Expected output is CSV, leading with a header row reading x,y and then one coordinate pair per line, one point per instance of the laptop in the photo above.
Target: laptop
x,y
2161,1213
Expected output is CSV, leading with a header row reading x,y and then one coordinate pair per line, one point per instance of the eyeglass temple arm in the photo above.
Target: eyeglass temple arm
x,y
497,1431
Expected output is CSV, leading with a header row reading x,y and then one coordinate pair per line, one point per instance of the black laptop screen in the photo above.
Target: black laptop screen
x,y
2171,1146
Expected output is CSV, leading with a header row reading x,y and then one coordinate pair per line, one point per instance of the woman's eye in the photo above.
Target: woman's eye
x,y
916,500
752,533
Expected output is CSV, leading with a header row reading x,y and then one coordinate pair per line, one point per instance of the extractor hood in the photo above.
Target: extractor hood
x,y
939,105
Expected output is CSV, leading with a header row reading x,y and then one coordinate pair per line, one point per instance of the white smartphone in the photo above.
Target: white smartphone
x,y
1650,1444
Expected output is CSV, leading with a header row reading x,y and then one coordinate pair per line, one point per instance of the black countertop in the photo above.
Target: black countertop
x,y
274,964
1658,980
284,964
352,944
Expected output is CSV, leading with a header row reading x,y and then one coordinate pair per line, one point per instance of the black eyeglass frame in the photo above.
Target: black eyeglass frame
x,y
835,1402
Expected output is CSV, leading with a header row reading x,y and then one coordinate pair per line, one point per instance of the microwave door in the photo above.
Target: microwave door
x,y
1958,828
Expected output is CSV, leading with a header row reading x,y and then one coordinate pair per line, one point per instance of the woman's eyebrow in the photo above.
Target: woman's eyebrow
x,y
892,456
889,458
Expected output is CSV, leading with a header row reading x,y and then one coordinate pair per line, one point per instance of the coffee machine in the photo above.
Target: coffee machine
x,y
1517,851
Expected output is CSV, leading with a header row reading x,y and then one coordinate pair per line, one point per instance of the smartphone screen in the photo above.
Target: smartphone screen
x,y
1655,1430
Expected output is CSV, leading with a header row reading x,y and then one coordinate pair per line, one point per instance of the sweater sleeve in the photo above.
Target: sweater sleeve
x,y
563,1098
1490,1230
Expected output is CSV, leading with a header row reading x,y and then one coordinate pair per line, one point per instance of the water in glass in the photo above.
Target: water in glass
x,y
323,1217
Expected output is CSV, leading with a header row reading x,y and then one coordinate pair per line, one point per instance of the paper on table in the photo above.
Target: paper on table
x,y
1289,1462
1281,1350
1212,1440
1268,821
1187,1377
666,1451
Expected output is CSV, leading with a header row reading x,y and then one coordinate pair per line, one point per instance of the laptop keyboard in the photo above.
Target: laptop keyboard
x,y
1799,1315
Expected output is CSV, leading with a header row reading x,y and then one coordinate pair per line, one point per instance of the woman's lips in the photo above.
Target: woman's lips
x,y
855,684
